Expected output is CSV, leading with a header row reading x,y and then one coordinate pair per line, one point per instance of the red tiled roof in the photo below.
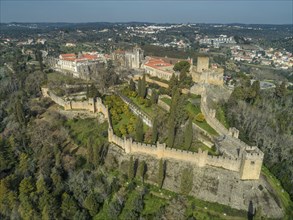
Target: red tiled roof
x,y
89,56
69,58
68,55
157,63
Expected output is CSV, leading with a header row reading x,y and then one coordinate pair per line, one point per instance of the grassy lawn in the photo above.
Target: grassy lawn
x,y
167,101
220,115
193,110
276,185
82,129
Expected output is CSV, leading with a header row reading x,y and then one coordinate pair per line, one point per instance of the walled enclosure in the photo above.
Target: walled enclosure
x,y
248,164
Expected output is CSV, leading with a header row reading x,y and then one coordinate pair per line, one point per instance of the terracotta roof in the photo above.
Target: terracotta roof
x,y
69,58
68,55
89,56
157,63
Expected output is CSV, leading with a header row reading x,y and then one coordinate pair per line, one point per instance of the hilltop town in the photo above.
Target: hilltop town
x,y
106,127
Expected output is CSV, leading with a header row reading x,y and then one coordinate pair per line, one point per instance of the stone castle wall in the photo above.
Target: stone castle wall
x,y
149,80
250,158
200,159
210,116
248,166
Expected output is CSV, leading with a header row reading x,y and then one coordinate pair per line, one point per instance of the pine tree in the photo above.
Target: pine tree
x,y
91,204
155,131
68,206
139,130
188,135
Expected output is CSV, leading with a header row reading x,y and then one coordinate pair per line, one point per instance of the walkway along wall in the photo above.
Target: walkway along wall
x,y
248,165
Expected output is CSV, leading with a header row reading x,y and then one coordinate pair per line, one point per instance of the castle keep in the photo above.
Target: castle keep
x,y
203,74
237,156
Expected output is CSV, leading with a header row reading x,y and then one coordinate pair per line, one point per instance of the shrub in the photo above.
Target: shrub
x,y
148,103
199,117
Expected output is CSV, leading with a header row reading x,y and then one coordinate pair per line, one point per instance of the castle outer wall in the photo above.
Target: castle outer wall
x,y
248,165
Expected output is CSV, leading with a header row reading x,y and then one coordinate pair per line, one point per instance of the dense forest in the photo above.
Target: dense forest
x,y
264,118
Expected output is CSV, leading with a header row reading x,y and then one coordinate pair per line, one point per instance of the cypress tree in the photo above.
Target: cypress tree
x,y
93,92
188,134
87,91
131,169
139,130
19,112
173,83
154,97
132,85
161,173
155,131
171,134
186,181
143,87
90,152
142,170
139,87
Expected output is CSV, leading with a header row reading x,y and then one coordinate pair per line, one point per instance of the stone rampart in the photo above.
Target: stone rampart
x,y
224,162
83,105
201,158
210,117
250,159
57,99
149,80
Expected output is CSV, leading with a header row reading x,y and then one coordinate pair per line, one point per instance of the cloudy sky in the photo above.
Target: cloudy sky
x,y
194,11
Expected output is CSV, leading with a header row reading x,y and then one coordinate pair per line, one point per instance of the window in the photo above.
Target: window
x,y
252,162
